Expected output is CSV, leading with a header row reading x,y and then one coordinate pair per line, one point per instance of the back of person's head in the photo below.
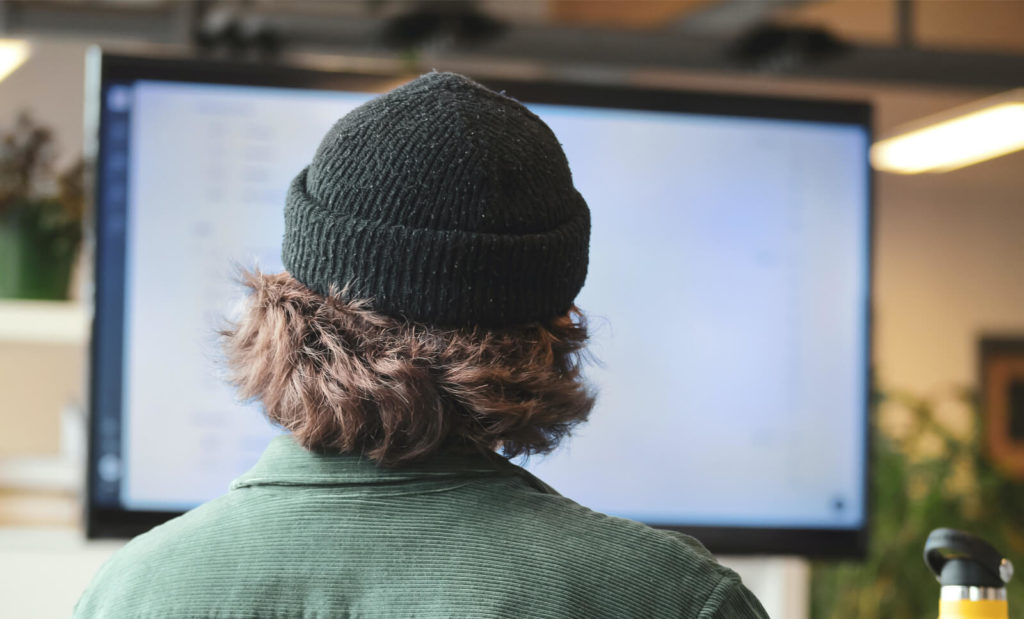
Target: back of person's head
x,y
433,248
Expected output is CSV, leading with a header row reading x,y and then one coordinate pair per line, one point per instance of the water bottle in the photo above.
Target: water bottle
x,y
972,573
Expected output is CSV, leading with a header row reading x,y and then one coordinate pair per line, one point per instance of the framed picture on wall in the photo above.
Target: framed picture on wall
x,y
1001,384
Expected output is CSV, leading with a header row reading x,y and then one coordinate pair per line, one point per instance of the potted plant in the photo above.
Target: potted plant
x,y
41,213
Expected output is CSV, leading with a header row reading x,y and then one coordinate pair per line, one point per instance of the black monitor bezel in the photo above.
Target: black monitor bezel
x,y
815,542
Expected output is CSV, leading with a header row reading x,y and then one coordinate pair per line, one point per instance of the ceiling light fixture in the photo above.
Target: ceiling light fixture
x,y
957,138
13,53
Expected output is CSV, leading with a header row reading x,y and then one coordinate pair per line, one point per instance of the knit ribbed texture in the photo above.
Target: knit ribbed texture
x,y
444,202
303,535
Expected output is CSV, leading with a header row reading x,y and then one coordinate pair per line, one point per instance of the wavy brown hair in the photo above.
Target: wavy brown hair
x,y
341,377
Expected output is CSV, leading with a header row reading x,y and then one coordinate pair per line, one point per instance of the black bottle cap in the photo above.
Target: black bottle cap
x,y
961,559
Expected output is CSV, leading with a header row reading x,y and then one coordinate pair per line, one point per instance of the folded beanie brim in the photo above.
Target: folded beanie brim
x,y
441,277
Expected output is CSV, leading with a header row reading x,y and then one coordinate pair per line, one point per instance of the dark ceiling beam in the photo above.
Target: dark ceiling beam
x,y
553,47
627,49
158,22
727,17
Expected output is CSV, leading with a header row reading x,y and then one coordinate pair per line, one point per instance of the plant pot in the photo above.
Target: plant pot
x,y
38,244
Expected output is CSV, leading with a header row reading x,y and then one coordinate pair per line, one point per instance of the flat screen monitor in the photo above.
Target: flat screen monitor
x,y
728,294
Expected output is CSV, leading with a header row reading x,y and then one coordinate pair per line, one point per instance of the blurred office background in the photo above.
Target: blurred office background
x,y
949,247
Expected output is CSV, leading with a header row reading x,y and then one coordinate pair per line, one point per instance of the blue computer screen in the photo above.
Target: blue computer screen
x,y
727,295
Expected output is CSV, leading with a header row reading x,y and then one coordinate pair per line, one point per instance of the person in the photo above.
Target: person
x,y
433,251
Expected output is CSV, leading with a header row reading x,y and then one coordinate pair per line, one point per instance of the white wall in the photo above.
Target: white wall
x,y
950,267
50,85
36,381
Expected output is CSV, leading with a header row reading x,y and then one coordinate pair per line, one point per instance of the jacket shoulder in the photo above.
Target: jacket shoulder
x,y
124,585
650,572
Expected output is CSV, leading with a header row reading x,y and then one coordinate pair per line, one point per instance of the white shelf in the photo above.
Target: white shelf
x,y
43,322
54,474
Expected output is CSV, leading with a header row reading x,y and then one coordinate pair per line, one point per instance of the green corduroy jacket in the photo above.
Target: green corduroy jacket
x,y
335,536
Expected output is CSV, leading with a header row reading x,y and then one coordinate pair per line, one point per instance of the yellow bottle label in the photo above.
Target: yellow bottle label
x,y
978,609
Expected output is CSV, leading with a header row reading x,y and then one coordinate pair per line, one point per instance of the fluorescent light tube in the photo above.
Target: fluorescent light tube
x,y
961,137
12,54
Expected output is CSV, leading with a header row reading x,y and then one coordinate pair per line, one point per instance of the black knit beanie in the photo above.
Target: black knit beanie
x,y
443,202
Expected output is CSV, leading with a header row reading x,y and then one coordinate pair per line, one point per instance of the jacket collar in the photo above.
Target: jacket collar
x,y
286,463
